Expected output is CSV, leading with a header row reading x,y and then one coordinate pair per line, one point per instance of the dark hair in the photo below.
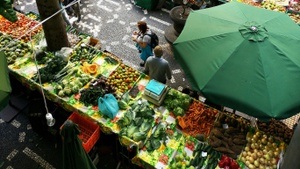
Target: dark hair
x,y
142,26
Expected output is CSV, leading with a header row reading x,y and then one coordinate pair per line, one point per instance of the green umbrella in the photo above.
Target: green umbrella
x,y
5,87
243,57
74,155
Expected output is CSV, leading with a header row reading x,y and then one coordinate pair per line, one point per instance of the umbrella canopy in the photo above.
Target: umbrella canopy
x,y
243,57
5,87
74,155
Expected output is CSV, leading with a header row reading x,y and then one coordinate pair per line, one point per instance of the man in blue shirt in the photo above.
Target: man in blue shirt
x,y
157,67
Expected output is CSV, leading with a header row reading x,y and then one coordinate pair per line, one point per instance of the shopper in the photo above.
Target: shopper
x,y
64,13
74,9
157,67
143,41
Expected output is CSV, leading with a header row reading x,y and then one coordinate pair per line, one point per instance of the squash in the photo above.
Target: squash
x,y
92,68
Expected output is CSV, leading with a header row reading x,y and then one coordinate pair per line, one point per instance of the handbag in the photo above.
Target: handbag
x,y
108,105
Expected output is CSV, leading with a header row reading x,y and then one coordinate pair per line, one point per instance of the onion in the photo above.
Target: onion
x,y
256,163
274,161
251,160
247,148
262,160
264,141
251,166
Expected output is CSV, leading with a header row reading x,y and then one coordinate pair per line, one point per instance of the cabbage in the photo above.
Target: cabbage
x,y
138,136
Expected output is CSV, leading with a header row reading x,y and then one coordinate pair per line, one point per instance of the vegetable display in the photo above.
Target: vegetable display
x,y
228,163
205,157
177,102
13,49
277,129
83,53
137,121
227,136
199,119
52,67
97,88
71,83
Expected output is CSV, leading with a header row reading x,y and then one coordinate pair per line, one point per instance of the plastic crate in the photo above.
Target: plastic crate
x,y
90,131
146,4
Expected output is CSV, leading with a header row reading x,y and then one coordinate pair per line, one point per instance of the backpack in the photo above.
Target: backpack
x,y
154,39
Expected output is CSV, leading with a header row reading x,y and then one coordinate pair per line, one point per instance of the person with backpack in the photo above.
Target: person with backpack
x,y
142,37
157,67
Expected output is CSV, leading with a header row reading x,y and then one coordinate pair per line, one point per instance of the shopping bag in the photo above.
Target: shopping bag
x,y
108,105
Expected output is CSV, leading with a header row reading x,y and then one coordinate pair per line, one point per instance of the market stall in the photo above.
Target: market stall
x,y
171,130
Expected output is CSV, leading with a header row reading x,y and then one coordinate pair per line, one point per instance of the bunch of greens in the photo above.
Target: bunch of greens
x,y
157,138
48,72
137,121
177,102
97,88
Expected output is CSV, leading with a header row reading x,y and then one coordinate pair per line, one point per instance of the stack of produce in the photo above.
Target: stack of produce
x,y
177,102
19,28
277,129
97,88
13,49
89,68
157,138
199,119
137,121
123,78
228,136
205,157
271,5
295,17
181,160
83,53
71,83
52,68
228,163
262,151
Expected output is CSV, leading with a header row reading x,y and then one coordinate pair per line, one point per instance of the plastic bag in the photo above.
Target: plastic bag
x,y
108,105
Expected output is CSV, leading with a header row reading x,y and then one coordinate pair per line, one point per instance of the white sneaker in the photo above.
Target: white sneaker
x,y
72,20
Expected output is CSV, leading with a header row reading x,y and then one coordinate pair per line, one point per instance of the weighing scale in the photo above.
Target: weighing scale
x,y
155,92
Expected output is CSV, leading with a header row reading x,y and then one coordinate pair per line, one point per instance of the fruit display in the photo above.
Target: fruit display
x,y
13,49
181,160
277,129
20,28
262,151
97,88
270,5
71,83
294,6
137,121
33,16
123,78
177,102
198,119
295,17
83,53
228,136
